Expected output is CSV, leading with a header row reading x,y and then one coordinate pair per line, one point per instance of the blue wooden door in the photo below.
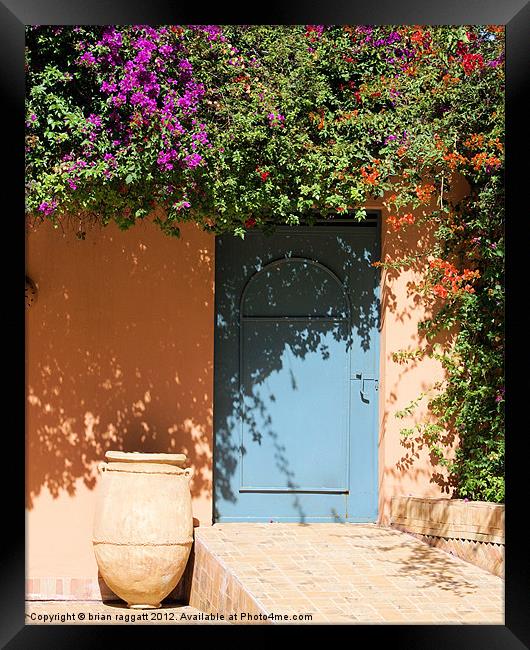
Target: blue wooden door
x,y
296,360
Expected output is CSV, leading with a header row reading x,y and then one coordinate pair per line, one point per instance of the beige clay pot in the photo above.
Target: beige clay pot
x,y
143,526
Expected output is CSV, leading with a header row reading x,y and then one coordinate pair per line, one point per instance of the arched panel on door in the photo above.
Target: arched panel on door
x,y
295,287
295,323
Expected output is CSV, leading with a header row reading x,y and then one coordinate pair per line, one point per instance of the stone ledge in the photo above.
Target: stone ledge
x,y
450,518
470,530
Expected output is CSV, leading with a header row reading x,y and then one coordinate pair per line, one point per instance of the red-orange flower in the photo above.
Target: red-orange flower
x,y
471,62
440,291
397,222
424,192
482,159
370,173
452,282
263,175
454,159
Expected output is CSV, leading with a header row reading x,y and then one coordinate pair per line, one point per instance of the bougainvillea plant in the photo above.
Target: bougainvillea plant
x,y
240,127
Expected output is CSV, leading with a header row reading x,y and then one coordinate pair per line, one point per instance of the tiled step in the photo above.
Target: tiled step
x,y
335,573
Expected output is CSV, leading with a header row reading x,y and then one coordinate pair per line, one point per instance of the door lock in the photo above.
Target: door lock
x,y
363,378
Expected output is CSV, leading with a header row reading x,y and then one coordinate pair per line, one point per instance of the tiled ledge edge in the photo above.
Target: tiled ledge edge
x,y
216,590
472,531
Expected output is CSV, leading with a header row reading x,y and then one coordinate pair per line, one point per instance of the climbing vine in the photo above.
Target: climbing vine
x,y
240,127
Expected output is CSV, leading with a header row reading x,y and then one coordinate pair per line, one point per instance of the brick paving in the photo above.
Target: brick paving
x,y
338,573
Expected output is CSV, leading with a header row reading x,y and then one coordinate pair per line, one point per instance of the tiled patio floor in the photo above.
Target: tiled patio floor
x,y
339,573
97,613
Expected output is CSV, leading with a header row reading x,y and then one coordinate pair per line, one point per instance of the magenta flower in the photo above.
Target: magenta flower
x,y
48,207
181,205
95,120
165,159
213,32
276,119
185,67
109,87
87,59
193,160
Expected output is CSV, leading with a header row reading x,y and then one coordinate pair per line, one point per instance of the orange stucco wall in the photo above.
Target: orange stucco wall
x,y
403,470
119,355
119,347
405,466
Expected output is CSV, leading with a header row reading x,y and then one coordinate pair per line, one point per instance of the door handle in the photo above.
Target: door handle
x,y
363,378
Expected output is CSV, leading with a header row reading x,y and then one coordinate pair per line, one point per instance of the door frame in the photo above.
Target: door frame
x,y
322,227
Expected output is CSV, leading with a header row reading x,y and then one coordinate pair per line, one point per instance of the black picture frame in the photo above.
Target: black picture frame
x,y
515,15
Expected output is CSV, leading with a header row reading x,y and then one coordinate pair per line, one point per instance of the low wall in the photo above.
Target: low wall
x,y
214,588
470,530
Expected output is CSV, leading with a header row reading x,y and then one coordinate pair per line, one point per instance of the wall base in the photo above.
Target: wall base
x,y
94,588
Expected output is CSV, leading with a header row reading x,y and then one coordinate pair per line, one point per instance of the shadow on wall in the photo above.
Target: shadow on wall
x,y
402,305
407,242
119,352
410,241
414,448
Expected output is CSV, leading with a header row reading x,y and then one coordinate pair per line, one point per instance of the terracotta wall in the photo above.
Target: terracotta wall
x,y
119,348
405,466
120,356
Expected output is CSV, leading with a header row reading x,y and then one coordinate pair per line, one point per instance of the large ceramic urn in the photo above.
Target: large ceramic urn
x,y
143,526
